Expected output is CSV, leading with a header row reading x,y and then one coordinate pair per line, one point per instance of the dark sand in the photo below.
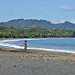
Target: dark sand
x,y
34,62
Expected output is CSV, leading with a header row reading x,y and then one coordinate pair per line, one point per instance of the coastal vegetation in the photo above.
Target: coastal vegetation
x,y
34,32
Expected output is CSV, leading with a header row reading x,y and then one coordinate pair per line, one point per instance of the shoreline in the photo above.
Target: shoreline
x,y
36,38
33,50
42,49
38,49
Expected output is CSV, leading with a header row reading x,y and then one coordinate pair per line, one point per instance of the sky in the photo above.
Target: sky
x,y
55,11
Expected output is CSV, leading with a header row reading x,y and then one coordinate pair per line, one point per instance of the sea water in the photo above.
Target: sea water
x,y
66,45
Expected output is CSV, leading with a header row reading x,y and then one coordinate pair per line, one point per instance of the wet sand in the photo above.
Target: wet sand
x,y
35,62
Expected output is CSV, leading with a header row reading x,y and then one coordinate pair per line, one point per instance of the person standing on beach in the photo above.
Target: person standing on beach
x,y
25,43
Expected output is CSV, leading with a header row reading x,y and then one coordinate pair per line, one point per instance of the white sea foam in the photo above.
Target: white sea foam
x,y
54,50
2,41
11,45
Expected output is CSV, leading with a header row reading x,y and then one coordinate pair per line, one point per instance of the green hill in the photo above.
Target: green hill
x,y
41,23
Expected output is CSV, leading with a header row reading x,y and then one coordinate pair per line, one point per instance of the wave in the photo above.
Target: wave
x,y
2,43
18,40
20,47
11,45
32,39
54,50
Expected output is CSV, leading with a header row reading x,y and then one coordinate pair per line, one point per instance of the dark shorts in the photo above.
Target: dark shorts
x,y
25,47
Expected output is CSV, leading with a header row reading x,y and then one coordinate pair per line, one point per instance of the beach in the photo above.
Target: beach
x,y
35,62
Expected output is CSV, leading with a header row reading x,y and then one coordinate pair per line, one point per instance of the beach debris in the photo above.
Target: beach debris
x,y
35,66
20,66
14,66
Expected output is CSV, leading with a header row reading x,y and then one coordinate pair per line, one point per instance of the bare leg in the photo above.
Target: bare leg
x,y
25,49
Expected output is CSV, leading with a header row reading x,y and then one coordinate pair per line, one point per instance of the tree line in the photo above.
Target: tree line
x,y
37,32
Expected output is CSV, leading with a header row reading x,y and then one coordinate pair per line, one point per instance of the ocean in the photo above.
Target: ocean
x,y
65,45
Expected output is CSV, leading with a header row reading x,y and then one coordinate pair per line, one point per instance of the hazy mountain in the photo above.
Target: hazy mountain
x,y
42,23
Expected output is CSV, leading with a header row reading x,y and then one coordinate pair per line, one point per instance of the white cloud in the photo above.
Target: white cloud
x,y
72,21
56,21
65,8
60,21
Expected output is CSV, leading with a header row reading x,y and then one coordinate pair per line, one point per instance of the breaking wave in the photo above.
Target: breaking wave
x,y
3,44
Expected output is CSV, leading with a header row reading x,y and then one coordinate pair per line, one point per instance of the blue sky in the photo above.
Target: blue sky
x,y
52,10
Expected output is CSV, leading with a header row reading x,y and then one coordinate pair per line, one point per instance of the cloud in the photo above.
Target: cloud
x,y
62,21
56,21
72,21
65,8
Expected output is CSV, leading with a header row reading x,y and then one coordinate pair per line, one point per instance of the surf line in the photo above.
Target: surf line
x,y
2,43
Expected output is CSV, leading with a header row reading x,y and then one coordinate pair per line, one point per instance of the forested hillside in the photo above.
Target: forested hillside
x,y
37,32
41,23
